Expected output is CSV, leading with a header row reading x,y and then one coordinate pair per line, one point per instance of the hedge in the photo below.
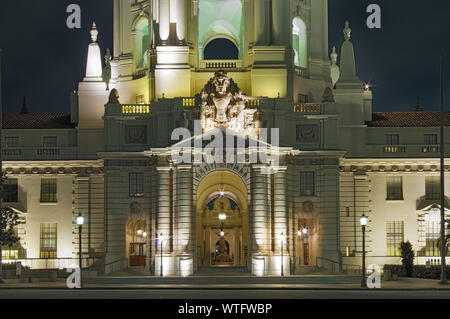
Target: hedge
x,y
420,271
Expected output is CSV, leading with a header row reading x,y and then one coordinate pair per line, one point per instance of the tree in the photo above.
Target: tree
x,y
8,220
407,258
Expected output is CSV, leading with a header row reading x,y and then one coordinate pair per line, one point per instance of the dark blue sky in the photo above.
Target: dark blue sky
x,y
44,60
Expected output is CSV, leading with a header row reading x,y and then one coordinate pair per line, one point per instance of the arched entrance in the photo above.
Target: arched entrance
x,y
222,220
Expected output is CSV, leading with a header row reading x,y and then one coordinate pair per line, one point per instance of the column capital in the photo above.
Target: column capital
x,y
163,168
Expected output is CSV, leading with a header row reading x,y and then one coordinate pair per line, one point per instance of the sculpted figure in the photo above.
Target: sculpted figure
x,y
114,97
224,105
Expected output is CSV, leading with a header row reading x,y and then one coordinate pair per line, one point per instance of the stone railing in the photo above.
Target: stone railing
x,y
220,64
136,108
308,108
301,72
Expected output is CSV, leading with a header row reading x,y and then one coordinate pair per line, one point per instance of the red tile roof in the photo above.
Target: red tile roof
x,y
408,119
37,121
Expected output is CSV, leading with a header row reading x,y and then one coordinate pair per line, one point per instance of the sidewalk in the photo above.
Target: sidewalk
x,y
297,283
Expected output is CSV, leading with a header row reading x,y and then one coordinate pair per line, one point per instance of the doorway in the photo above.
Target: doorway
x,y
222,220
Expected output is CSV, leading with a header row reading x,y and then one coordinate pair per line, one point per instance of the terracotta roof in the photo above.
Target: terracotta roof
x,y
407,119
37,121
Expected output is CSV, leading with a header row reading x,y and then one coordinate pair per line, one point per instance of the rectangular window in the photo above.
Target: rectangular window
x,y
50,141
9,253
394,185
432,188
307,183
10,190
48,247
11,142
136,181
48,190
392,139
431,139
394,237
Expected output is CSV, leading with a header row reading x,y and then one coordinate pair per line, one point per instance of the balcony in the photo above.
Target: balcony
x,y
430,149
39,153
394,149
220,64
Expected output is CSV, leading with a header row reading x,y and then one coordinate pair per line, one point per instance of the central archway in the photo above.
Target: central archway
x,y
222,242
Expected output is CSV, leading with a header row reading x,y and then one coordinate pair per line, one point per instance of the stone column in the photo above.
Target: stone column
x,y
181,20
164,21
280,211
260,216
116,50
184,206
259,240
183,219
280,21
261,22
163,213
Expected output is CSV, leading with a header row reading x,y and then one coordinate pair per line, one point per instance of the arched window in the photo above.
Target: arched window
x,y
141,43
221,49
300,43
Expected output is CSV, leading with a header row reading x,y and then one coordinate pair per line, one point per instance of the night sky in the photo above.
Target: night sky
x,y
44,60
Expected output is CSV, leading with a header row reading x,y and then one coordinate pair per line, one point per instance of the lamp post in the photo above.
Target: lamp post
x,y
161,239
80,222
282,237
363,221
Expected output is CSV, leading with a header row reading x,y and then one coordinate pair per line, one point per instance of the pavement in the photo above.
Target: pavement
x,y
311,282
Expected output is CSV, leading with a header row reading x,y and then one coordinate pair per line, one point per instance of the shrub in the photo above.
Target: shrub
x,y
407,258
395,269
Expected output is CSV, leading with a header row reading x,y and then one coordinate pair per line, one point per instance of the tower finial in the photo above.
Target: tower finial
x,y
347,31
334,56
94,33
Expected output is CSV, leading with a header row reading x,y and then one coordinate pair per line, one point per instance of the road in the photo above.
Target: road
x,y
221,294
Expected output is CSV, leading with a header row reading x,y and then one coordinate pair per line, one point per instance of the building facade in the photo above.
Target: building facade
x,y
298,153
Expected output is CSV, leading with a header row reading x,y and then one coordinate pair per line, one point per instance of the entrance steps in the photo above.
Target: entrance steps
x,y
222,271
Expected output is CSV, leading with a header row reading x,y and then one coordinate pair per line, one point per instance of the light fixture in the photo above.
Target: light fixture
x,y
80,220
144,234
305,231
222,216
299,232
139,232
363,220
222,233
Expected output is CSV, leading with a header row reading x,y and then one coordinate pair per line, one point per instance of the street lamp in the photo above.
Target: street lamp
x,y
161,239
282,238
363,221
80,222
